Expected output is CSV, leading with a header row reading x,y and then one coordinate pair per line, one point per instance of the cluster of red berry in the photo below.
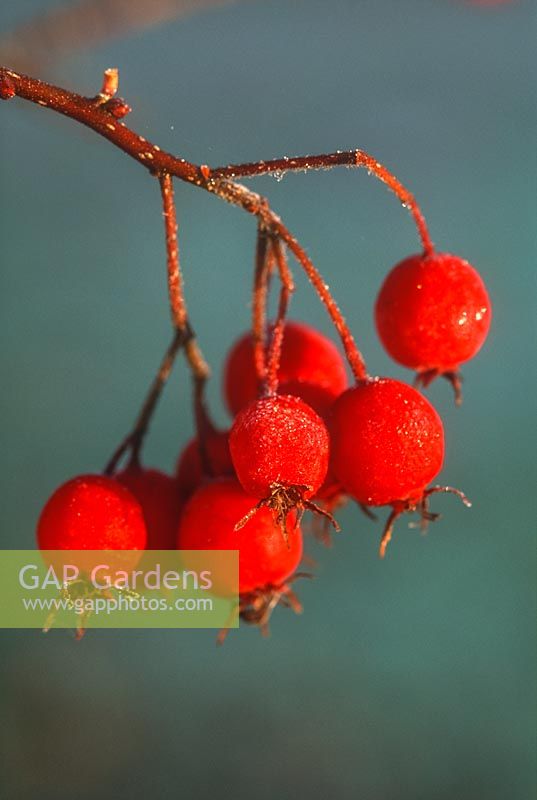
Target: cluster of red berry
x,y
307,442
302,439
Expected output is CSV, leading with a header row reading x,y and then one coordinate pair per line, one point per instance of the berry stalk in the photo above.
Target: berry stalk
x,y
179,313
350,158
354,356
175,279
264,263
183,338
276,340
253,203
101,117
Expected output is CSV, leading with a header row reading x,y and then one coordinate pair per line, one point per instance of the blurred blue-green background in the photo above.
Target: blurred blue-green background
x,y
408,679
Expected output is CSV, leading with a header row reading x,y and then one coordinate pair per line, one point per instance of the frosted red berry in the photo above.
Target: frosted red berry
x,y
433,313
160,501
190,472
92,512
208,523
387,442
279,441
311,367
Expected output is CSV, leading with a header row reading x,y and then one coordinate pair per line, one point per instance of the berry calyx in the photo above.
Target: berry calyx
x,y
311,367
279,448
266,562
433,313
189,470
387,444
160,501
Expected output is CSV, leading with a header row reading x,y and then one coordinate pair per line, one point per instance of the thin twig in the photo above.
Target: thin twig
x,y
183,337
287,288
102,120
175,278
349,158
263,268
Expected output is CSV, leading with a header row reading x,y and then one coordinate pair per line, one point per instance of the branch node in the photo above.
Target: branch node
x,y
117,107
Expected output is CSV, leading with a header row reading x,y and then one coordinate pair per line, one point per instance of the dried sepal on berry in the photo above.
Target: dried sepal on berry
x,y
280,450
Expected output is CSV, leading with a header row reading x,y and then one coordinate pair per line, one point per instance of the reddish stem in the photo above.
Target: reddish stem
x,y
254,204
263,267
350,158
276,340
175,278
354,356
198,366
183,337
99,118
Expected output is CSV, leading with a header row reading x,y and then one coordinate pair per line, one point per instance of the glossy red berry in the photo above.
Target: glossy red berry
x,y
387,442
92,512
161,504
311,367
189,470
208,523
279,442
433,313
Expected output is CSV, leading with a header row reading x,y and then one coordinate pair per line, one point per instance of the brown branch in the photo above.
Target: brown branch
x,y
99,118
90,112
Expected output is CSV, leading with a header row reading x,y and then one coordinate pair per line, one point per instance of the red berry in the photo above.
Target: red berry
x,y
208,523
161,504
311,367
92,512
433,313
387,442
189,470
331,492
279,441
